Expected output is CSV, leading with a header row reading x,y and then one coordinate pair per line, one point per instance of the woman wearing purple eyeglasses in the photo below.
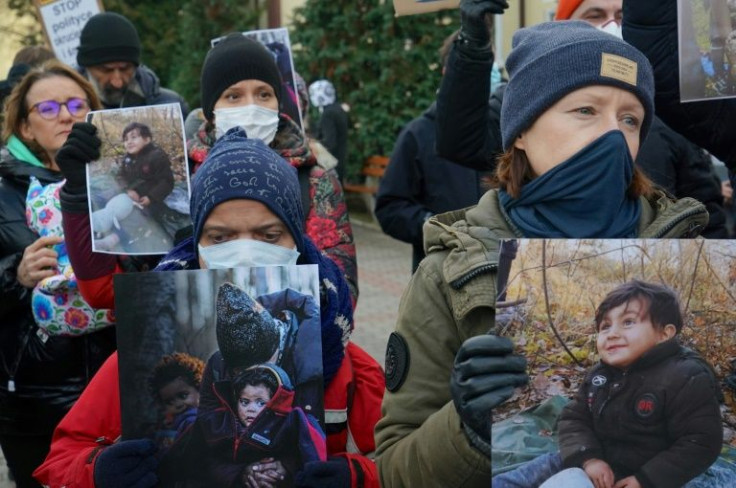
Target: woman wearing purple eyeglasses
x,y
41,372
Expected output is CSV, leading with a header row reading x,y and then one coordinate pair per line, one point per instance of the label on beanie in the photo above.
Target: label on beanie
x,y
619,68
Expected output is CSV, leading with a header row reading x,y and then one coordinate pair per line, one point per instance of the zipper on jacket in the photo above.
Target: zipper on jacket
x,y
463,280
684,216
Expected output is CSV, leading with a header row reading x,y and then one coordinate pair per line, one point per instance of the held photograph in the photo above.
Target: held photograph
x,y
139,188
629,347
223,370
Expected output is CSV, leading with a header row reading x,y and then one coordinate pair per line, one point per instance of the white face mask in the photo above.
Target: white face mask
x,y
613,28
246,252
258,122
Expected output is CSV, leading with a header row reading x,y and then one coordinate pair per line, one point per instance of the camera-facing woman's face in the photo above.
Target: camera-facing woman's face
x,y
578,119
49,124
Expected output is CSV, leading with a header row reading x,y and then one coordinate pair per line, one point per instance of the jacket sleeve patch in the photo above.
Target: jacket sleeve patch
x,y
397,361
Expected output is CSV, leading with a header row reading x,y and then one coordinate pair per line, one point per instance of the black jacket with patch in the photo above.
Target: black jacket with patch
x,y
659,420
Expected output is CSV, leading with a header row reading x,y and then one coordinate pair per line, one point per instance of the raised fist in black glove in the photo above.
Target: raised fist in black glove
x,y
127,464
333,473
473,19
81,147
484,375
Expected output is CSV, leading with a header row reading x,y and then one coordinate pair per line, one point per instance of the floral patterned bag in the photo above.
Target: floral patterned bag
x,y
58,307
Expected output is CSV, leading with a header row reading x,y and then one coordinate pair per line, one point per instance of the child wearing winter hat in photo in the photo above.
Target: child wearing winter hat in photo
x,y
647,415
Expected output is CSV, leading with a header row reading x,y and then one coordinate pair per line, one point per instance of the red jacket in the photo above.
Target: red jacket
x,y
352,408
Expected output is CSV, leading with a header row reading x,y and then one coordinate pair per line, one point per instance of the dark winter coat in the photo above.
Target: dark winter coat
x,y
48,374
659,420
651,27
419,183
684,170
148,173
149,92
469,134
332,132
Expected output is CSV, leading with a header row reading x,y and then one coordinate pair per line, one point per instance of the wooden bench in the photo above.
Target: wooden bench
x,y
373,169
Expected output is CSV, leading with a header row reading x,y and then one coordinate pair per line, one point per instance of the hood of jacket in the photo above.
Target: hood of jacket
x,y
147,81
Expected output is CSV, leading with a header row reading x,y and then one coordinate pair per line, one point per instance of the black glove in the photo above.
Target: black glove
x,y
127,464
473,19
81,147
485,375
333,473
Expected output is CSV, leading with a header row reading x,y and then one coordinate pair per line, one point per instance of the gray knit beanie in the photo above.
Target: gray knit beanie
x,y
552,59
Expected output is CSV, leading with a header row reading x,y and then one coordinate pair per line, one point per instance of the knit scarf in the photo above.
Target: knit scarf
x,y
21,152
583,197
289,142
336,311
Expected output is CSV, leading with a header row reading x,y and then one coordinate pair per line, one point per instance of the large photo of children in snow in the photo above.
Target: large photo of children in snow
x,y
223,370
139,188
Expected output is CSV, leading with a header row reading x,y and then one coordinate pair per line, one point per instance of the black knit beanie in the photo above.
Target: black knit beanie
x,y
107,38
234,59
247,333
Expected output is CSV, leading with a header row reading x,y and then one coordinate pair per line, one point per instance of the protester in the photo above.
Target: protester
x,y
25,59
241,87
233,216
110,56
675,391
571,127
42,373
419,183
651,26
333,123
669,160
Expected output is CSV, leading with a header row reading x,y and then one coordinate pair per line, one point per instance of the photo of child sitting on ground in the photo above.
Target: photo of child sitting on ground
x,y
627,343
139,191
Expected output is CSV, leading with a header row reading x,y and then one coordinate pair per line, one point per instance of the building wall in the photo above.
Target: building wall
x,y
10,43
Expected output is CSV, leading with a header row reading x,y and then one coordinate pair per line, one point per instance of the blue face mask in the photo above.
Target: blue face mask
x,y
495,77
583,197
246,252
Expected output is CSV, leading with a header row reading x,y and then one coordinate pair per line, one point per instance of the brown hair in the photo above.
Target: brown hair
x,y
33,56
17,109
176,365
513,171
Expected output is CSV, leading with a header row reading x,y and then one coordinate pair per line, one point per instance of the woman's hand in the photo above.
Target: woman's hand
x,y
266,473
599,472
39,261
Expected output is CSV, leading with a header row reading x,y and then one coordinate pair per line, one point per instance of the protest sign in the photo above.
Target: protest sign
x,y
63,21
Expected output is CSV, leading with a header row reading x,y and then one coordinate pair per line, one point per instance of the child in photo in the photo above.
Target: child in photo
x,y
174,384
647,415
257,437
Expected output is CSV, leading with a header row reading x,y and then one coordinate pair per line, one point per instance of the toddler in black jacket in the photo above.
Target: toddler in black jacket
x,y
647,415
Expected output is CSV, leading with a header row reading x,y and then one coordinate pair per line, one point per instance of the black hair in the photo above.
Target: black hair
x,y
663,303
177,365
143,130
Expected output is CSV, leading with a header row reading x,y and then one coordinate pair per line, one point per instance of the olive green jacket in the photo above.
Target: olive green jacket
x,y
451,297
